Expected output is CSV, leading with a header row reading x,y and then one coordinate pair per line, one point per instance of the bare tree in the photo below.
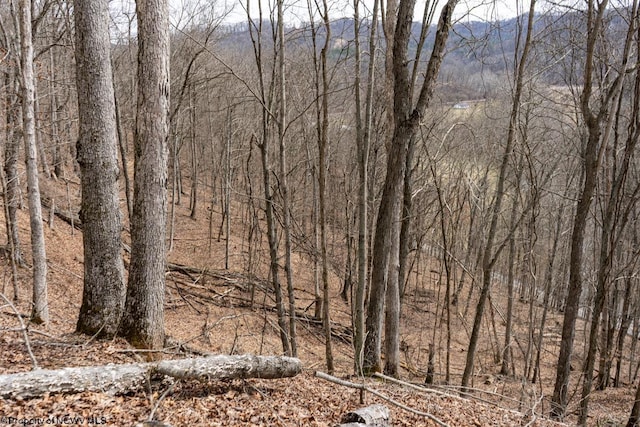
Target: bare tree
x,y
284,182
40,313
595,105
407,118
489,253
265,98
617,208
363,137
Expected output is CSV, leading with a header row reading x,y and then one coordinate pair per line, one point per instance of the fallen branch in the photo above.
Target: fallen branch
x,y
416,387
349,384
118,379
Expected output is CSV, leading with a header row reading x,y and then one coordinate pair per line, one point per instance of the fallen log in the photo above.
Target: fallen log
x,y
374,415
119,379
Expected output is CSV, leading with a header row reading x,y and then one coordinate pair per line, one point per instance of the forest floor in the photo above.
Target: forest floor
x,y
230,311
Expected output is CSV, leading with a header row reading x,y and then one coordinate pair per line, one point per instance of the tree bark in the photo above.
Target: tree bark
x,y
104,289
284,182
363,136
116,379
143,321
323,146
40,312
11,151
406,121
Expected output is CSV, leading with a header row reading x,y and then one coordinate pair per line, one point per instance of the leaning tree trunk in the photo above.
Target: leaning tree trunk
x,y
40,312
634,418
96,152
143,321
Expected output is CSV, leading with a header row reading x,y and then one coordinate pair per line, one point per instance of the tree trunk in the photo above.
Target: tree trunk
x,y
40,312
284,183
374,415
548,283
323,146
266,101
124,153
11,152
143,321
623,331
363,135
392,305
104,290
634,418
595,143
406,120
508,329
193,191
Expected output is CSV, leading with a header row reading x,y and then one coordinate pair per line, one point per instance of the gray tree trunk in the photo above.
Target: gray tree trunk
x,y
11,152
40,312
406,120
323,146
104,290
143,321
284,183
594,141
614,221
363,136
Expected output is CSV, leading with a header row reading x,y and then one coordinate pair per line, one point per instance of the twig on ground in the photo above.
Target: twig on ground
x,y
350,384
160,399
24,331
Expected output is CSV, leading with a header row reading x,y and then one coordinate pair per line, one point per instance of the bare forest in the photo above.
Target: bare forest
x,y
280,212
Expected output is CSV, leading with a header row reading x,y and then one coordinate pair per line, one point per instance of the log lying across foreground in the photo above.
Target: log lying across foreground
x,y
118,379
